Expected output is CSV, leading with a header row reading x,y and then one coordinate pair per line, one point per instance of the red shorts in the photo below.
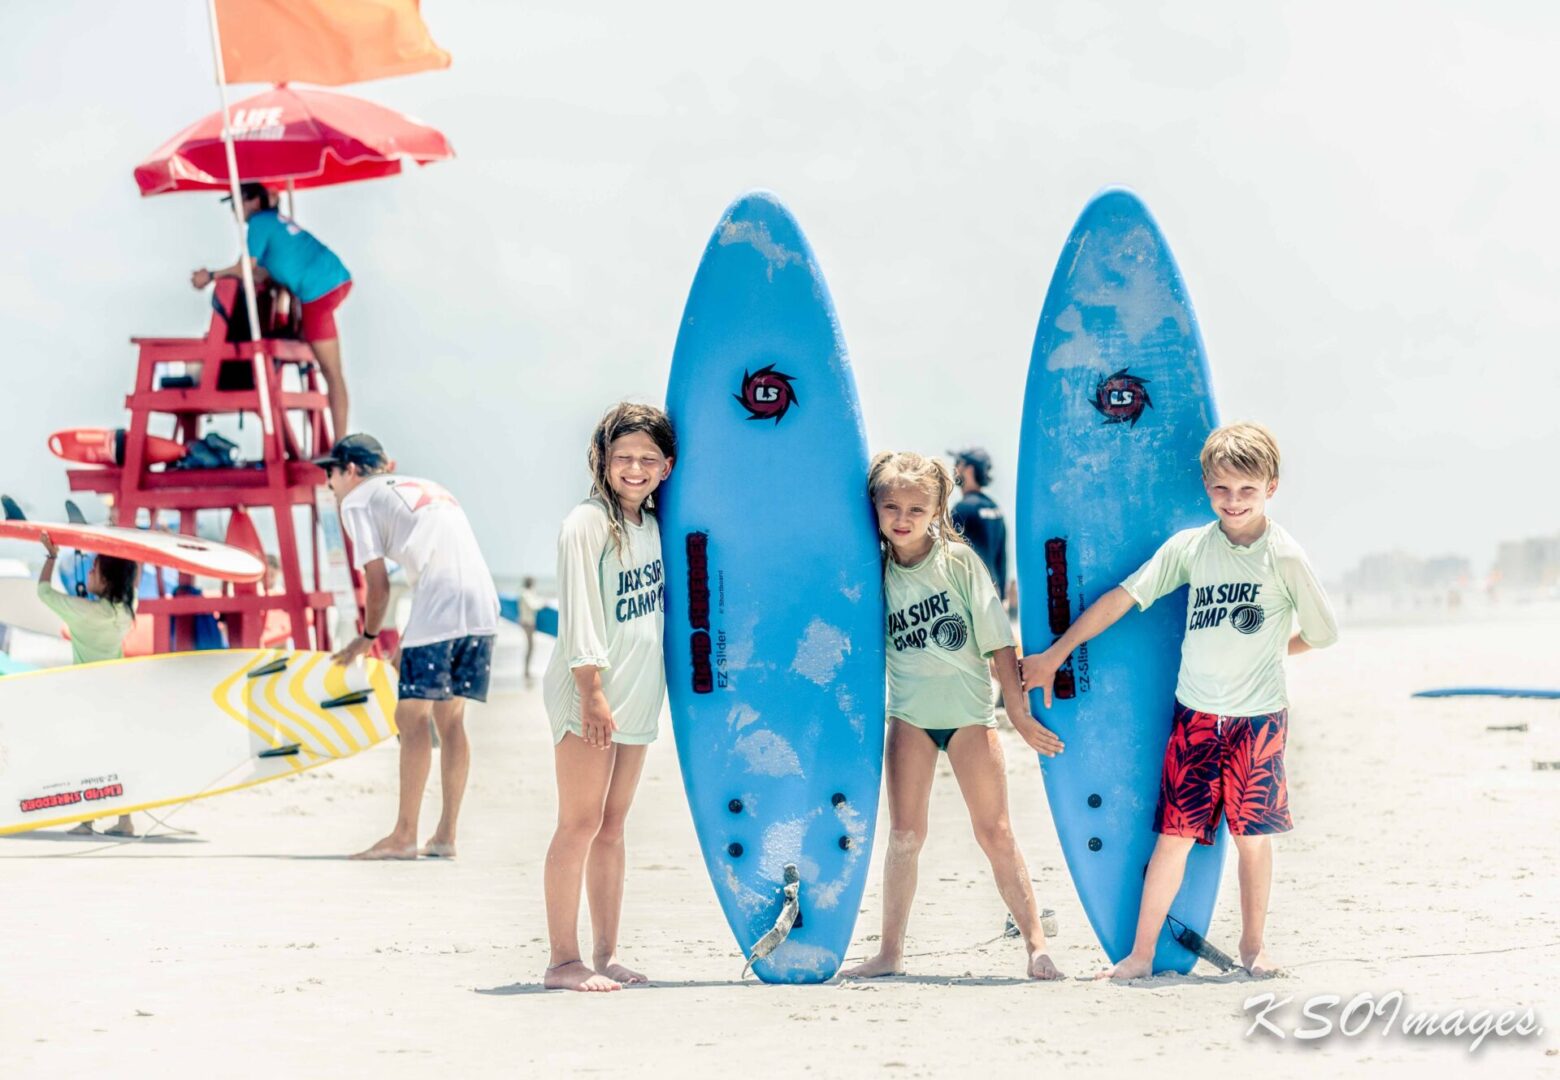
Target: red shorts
x,y
1232,765
319,316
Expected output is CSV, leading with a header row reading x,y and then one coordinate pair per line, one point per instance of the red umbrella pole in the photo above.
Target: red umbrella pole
x,y
262,385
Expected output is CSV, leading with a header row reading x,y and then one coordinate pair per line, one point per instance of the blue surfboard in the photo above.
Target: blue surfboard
x,y
546,616
774,601
1490,691
1117,407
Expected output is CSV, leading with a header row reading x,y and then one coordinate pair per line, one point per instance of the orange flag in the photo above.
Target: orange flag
x,y
326,42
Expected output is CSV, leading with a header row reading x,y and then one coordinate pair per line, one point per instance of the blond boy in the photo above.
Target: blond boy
x,y
1249,584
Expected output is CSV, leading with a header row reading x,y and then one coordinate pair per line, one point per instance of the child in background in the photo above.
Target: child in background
x,y
947,634
1250,583
604,686
98,628
530,602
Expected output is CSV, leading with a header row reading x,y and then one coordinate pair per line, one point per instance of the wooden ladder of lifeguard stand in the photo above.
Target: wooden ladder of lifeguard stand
x,y
281,481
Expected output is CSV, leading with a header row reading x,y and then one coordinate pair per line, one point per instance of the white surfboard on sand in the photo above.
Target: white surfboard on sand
x,y
97,740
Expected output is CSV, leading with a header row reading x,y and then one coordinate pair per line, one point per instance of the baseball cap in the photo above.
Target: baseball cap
x,y
363,451
975,457
249,190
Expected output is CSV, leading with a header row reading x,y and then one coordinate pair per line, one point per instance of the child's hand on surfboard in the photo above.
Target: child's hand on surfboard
x,y
1040,738
1038,672
49,546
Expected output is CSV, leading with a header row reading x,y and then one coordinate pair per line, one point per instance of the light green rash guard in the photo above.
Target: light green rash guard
x,y
1240,611
944,622
97,627
609,617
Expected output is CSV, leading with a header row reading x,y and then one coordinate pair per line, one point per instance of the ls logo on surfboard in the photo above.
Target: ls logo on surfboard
x,y
767,394
1121,398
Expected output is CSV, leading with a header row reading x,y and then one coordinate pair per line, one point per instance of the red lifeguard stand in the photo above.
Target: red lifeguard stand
x,y
218,377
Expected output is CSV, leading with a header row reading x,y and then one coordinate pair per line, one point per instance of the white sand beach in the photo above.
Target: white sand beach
x,y
1423,861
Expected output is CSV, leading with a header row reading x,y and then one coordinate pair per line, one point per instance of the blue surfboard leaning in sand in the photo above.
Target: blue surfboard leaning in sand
x,y
1117,407
774,609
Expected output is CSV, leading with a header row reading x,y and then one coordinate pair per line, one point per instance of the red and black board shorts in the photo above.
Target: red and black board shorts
x,y
1224,765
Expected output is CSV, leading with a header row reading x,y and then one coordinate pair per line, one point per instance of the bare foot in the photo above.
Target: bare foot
x,y
84,829
388,848
1260,965
876,968
1129,968
1040,967
574,975
613,970
438,849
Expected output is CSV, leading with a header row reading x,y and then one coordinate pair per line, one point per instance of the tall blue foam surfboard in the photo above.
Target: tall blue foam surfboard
x,y
1117,407
774,600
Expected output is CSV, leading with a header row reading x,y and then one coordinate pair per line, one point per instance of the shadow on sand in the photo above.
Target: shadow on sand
x,y
514,989
159,839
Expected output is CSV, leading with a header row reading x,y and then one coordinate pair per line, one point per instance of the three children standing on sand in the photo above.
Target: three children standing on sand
x,y
605,684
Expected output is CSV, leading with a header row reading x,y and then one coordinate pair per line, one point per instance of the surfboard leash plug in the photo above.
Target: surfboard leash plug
x,y
783,922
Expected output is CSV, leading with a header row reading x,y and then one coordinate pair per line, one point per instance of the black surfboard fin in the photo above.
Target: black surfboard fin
x,y
285,750
73,513
275,666
355,697
1194,942
13,510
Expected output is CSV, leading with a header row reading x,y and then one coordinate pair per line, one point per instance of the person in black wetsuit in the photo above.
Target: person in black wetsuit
x,y
979,518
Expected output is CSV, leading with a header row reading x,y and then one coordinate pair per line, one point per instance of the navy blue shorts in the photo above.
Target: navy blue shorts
x,y
459,667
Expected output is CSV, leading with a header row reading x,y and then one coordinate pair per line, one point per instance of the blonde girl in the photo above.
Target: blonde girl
x,y
947,634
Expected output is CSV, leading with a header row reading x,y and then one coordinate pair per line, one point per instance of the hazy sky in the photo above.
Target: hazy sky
x,y
1361,198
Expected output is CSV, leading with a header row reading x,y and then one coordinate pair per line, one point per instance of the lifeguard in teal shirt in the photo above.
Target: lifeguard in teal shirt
x,y
293,258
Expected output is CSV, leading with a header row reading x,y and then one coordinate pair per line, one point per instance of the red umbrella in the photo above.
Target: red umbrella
x,y
308,138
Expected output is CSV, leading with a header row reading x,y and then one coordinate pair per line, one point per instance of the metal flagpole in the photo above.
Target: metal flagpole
x,y
262,384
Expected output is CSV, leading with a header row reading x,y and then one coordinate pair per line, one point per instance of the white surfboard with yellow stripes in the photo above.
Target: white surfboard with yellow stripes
x,y
96,740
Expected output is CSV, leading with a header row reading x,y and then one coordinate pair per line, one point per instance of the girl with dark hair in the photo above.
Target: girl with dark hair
x,y
97,627
604,686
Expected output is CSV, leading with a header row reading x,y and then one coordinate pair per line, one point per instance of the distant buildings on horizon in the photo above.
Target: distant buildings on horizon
x,y
1529,565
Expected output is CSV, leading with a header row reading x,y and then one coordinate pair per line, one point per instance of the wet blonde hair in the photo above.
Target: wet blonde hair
x,y
1244,448
904,468
625,418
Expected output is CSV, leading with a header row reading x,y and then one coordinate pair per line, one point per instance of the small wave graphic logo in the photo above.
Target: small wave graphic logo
x,y
950,632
